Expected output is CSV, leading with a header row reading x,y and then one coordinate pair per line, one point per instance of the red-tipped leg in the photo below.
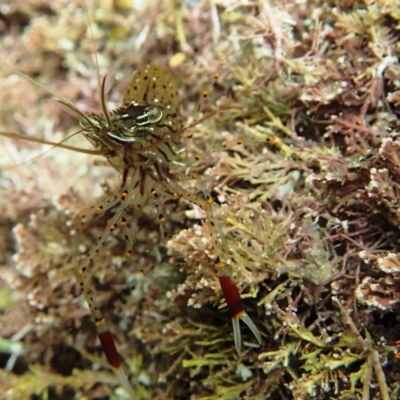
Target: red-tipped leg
x,y
234,302
108,345
105,336
111,353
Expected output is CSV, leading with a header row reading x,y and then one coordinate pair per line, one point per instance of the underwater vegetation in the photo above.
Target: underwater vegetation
x,y
299,150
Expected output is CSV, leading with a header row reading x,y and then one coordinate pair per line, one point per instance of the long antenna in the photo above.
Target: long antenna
x,y
100,82
19,136
55,94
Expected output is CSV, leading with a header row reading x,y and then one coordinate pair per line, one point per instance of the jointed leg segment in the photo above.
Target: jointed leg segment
x,y
228,286
106,339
